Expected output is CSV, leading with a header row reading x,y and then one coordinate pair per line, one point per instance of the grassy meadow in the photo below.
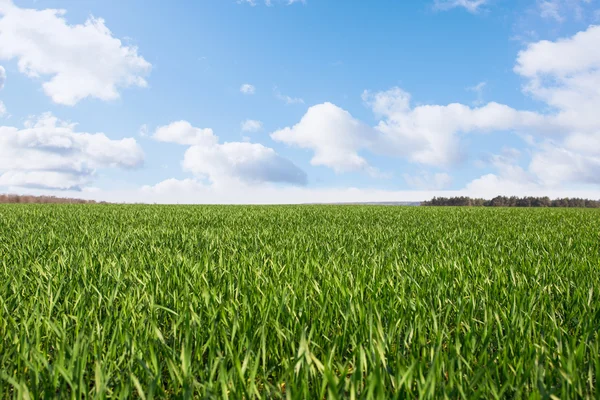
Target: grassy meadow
x,y
241,302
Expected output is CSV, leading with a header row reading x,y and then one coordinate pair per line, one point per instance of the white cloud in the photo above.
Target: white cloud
x,y
247,88
555,166
67,56
251,125
472,6
551,169
565,74
491,185
49,153
182,132
428,181
287,99
334,136
2,77
43,179
564,142
2,109
550,9
229,163
562,10
539,59
509,176
427,134
241,161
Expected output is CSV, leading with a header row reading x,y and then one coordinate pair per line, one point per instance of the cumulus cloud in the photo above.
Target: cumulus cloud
x,y
182,132
332,134
247,88
555,165
43,179
564,141
472,6
510,177
427,134
490,185
49,153
229,163
66,56
247,162
550,169
251,125
565,74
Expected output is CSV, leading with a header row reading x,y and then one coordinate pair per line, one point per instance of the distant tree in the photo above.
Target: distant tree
x,y
16,199
498,201
513,201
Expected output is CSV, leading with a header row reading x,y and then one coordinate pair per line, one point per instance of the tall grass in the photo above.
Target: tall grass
x,y
298,302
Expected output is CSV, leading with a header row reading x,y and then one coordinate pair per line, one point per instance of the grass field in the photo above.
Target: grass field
x,y
298,302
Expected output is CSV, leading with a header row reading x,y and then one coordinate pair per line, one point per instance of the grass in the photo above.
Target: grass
x,y
105,301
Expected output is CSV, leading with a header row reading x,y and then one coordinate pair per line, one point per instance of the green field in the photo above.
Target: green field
x,y
298,302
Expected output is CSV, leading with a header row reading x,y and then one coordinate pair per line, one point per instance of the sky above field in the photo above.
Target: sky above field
x,y
287,101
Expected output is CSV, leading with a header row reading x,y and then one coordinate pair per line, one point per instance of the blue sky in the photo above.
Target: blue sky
x,y
346,101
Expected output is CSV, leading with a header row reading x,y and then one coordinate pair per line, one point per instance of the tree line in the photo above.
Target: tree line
x,y
513,201
14,199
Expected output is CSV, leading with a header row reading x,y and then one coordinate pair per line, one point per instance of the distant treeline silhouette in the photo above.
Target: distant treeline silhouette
x,y
14,198
503,201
